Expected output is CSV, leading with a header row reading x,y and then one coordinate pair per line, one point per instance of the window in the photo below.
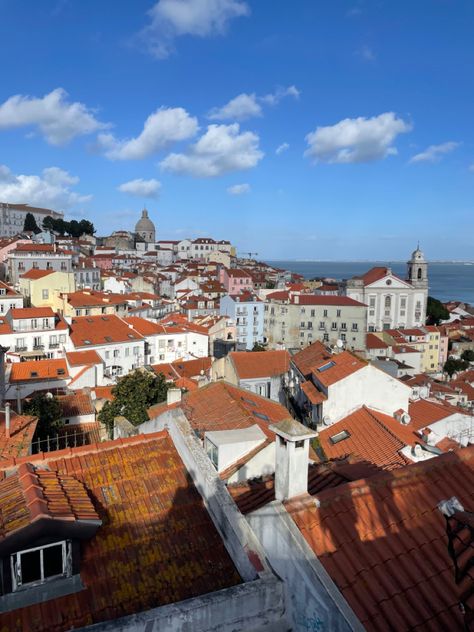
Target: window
x,y
343,337
116,353
338,313
35,566
343,326
325,313
372,301
127,352
333,326
136,350
45,295
107,355
212,452
403,302
355,326
299,444
62,338
388,301
313,313
340,436
302,325
326,338
321,324
63,265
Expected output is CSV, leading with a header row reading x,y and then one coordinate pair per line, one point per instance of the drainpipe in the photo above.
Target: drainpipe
x,y
7,420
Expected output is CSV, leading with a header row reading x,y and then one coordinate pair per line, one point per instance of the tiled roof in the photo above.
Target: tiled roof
x,y
383,541
424,412
22,430
82,358
76,404
368,439
374,342
338,367
32,370
88,298
256,364
31,312
312,393
325,299
305,359
34,274
253,494
221,406
103,392
100,330
157,544
32,494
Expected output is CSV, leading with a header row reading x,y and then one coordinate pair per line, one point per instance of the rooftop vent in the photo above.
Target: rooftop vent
x,y
340,436
325,367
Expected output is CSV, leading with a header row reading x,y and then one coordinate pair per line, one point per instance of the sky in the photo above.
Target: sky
x,y
298,130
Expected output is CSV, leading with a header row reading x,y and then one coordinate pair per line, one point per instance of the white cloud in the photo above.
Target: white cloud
x,y
356,140
170,19
51,189
164,126
244,105
238,189
366,53
241,107
280,93
58,120
434,153
141,188
281,148
222,149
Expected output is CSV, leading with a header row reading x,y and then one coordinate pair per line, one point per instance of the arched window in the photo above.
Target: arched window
x,y
420,274
388,301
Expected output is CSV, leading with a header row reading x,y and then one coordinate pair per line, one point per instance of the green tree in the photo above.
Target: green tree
x,y
452,366
49,413
467,355
133,395
74,228
86,227
30,224
435,311
48,223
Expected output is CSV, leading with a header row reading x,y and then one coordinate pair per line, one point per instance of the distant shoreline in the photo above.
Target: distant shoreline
x,y
441,261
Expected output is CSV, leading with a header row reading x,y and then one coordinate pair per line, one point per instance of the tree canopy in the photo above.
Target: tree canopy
x,y
49,412
72,228
133,395
30,224
467,355
435,311
452,366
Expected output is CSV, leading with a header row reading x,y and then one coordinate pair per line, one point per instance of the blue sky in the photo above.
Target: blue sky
x,y
325,130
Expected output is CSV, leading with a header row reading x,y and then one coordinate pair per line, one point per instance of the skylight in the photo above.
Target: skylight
x,y
340,436
326,366
86,342
261,416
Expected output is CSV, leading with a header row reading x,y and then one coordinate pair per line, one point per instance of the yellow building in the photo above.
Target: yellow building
x,y
90,303
41,288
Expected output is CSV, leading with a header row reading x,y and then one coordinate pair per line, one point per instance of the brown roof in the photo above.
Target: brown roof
x,y
82,358
338,367
31,312
312,393
374,342
76,404
100,330
256,364
33,274
424,412
305,359
32,370
368,438
22,430
383,541
157,544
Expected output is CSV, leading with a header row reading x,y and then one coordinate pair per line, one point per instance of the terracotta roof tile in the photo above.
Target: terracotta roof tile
x,y
34,274
338,367
82,358
424,412
312,393
157,544
22,430
100,330
383,541
305,359
19,313
33,370
256,364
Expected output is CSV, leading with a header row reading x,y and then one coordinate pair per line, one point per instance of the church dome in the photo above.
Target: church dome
x,y
417,255
144,224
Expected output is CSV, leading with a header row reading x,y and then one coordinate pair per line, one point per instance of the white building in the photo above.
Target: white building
x,y
247,311
9,299
12,217
393,303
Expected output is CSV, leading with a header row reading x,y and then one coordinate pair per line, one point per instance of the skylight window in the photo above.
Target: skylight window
x,y
248,401
340,436
131,336
326,366
86,342
33,374
61,371
261,416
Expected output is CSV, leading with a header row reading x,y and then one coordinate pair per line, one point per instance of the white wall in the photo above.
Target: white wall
x,y
262,464
367,387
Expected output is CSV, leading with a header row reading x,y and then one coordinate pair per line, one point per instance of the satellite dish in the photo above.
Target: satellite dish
x,y
339,343
326,420
417,451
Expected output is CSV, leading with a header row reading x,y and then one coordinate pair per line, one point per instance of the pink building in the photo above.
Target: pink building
x,y
235,280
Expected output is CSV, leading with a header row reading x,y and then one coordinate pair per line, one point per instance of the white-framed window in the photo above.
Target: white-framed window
x,y
127,352
45,295
212,452
40,564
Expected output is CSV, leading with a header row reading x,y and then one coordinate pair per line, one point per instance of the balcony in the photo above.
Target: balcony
x,y
19,349
38,347
54,345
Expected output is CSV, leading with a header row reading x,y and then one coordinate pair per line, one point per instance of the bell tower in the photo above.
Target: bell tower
x,y
417,269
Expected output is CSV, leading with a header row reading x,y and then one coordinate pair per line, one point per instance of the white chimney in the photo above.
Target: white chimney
x,y
173,396
7,420
291,458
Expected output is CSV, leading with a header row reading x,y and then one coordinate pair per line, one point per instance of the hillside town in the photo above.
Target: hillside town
x,y
191,439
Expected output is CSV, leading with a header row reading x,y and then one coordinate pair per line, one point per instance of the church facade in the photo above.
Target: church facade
x,y
392,302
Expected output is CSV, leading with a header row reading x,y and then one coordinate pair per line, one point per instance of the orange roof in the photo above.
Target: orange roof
x,y
91,298
104,392
383,542
367,438
33,494
157,544
374,342
305,359
221,406
100,330
424,412
76,404
312,393
37,274
255,364
31,312
338,367
82,358
33,370
22,430
375,274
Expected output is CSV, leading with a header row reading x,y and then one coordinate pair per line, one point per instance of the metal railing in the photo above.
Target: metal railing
x,y
70,439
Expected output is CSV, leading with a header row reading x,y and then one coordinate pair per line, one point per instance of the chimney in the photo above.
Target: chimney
x,y
173,396
291,458
7,420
